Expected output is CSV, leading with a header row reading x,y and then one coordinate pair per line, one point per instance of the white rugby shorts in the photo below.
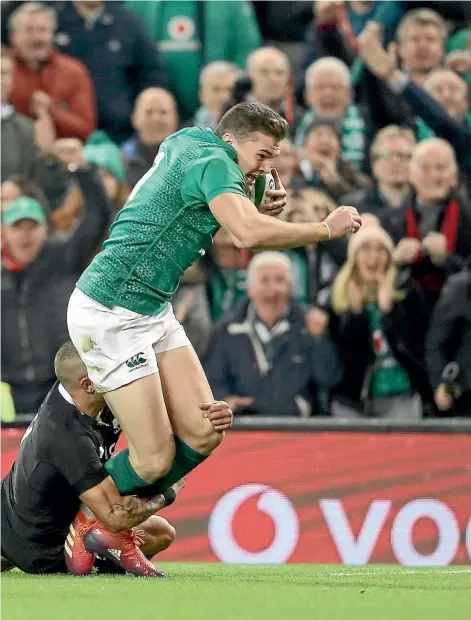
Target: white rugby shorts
x,y
119,346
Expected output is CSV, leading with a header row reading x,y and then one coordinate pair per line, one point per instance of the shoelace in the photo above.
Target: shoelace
x,y
83,526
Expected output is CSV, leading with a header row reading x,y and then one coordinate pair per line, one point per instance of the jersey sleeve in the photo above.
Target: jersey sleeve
x,y
212,176
79,463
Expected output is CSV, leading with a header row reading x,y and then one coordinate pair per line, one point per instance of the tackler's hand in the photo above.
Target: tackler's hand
x,y
219,413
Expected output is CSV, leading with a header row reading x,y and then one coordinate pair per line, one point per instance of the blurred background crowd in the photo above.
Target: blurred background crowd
x,y
377,97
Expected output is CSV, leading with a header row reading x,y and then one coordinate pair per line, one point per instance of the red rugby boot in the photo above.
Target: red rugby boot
x,y
79,561
122,549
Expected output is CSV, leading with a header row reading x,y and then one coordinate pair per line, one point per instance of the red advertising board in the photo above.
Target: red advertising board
x,y
343,497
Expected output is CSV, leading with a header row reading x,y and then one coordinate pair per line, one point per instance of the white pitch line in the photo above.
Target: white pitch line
x,y
402,572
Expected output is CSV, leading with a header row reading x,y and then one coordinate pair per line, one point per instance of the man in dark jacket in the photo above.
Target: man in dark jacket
x,y
38,277
437,107
449,340
263,359
154,118
431,230
390,155
19,150
119,55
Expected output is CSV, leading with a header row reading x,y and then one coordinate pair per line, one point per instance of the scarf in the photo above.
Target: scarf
x,y
352,137
10,263
432,282
388,378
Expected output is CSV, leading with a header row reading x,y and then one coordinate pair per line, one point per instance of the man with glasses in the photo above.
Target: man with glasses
x,y
390,155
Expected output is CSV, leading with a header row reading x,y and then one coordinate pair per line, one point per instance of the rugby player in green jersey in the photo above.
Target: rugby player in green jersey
x,y
120,318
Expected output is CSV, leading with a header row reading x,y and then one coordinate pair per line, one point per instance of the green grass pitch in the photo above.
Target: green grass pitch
x,y
216,591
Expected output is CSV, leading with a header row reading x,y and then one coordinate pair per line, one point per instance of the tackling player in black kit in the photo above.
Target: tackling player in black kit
x,y
60,466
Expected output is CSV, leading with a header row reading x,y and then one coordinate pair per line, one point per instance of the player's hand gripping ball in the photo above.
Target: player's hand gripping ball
x,y
268,193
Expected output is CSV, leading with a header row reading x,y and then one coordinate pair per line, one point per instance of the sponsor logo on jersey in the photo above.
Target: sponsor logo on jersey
x,y
181,32
181,28
136,361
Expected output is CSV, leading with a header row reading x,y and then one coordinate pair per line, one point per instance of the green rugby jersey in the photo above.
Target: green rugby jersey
x,y
165,225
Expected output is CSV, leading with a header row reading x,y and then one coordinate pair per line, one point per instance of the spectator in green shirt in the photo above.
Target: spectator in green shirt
x,y
191,34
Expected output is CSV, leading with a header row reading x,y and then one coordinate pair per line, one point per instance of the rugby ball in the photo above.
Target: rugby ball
x,y
258,191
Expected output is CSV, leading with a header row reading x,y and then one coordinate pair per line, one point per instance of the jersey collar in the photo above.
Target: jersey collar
x,y
66,396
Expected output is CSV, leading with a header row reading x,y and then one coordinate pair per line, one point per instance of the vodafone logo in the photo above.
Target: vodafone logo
x,y
257,524
271,502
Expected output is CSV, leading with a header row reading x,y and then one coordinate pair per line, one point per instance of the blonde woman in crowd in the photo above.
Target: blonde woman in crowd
x,y
379,329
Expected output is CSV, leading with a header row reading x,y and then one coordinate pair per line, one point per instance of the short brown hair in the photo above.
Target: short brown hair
x,y
421,17
245,119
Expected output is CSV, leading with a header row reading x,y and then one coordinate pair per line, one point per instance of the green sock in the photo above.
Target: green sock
x,y
123,474
186,459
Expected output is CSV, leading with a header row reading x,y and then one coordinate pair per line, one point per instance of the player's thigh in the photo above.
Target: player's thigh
x,y
185,387
116,345
140,409
159,534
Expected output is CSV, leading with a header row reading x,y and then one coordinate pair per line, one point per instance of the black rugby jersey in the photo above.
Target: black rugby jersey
x,y
61,456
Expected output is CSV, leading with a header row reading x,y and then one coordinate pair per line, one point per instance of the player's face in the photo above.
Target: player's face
x,y
255,155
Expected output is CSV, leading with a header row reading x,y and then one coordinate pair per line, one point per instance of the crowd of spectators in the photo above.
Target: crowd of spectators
x,y
377,98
